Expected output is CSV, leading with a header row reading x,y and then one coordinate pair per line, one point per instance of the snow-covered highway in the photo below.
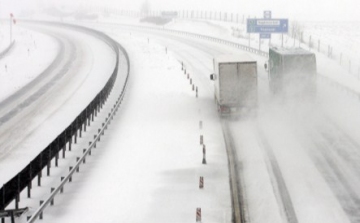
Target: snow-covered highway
x,y
33,116
297,160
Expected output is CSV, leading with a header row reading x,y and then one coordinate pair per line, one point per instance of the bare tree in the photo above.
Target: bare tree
x,y
296,30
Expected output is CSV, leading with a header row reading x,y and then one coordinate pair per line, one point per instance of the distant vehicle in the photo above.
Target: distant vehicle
x,y
292,71
235,78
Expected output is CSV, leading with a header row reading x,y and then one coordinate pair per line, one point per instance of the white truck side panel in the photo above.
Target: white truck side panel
x,y
229,81
236,83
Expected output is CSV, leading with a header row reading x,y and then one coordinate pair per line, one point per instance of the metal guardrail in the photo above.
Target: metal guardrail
x,y
59,188
7,49
11,190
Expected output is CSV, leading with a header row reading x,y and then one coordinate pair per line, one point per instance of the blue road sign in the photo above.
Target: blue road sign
x,y
265,35
267,25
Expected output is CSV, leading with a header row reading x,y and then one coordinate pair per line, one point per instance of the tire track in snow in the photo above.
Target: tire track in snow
x,y
240,213
335,156
280,190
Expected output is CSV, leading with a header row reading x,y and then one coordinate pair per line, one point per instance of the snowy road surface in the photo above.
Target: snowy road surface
x,y
313,196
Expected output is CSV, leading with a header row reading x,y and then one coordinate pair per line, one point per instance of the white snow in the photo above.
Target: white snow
x,y
53,112
31,59
148,164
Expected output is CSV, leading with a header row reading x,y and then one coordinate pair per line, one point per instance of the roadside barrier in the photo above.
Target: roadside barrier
x,y
7,49
11,190
210,38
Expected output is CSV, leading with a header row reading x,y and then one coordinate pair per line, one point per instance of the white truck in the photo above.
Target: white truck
x,y
292,72
235,78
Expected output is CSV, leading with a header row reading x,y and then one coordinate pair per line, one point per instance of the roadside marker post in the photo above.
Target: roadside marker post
x,y
204,155
201,183
198,214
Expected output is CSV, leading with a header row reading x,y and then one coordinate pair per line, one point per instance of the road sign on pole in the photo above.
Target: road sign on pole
x,y
267,14
267,25
265,35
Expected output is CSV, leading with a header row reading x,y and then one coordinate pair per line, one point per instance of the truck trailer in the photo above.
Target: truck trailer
x,y
292,71
235,78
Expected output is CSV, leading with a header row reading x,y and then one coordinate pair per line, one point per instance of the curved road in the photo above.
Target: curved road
x,y
287,185
32,117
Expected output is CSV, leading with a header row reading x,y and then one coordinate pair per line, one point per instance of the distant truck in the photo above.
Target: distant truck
x,y
235,78
292,71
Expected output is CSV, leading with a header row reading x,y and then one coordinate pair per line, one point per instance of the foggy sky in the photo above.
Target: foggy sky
x,y
334,10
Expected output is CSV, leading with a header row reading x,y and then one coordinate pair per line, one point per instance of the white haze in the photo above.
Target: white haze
x,y
318,10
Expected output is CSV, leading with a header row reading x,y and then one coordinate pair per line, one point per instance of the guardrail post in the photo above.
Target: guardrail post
x,y
52,201
17,200
99,134
84,160
75,137
78,168
29,190
39,178
57,159
90,149
48,167
70,141
62,188
94,141
41,213
70,168
64,149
